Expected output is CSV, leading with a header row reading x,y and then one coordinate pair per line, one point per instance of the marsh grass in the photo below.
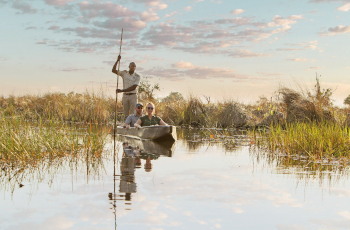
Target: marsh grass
x,y
23,141
317,140
72,107
303,121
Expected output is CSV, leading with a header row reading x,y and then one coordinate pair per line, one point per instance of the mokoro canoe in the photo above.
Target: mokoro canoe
x,y
155,133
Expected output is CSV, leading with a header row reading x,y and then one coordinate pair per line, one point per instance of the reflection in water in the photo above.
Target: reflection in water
x,y
14,176
134,151
165,148
127,178
301,167
213,189
231,139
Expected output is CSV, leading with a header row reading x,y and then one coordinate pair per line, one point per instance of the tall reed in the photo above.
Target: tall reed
x,y
318,140
23,141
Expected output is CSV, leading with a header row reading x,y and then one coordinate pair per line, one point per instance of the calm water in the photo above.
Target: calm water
x,y
193,184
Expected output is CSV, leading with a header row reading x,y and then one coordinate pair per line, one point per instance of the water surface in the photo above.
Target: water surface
x,y
210,183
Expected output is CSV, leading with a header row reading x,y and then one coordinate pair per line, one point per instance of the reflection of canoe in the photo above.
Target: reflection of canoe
x,y
156,133
165,148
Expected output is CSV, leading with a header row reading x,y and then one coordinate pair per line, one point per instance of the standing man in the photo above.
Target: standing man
x,y
130,82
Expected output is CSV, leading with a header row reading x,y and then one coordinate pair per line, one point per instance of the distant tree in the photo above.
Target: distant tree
x,y
146,90
173,96
347,100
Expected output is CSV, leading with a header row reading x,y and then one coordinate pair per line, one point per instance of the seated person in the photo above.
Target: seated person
x,y
131,120
149,119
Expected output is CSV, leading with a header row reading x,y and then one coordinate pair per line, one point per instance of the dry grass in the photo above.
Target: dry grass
x,y
73,107
287,105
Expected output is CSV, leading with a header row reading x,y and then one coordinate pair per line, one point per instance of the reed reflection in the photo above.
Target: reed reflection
x,y
14,175
230,139
299,166
302,167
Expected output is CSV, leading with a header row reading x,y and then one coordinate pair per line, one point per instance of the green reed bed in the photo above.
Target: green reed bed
x,y
318,140
25,141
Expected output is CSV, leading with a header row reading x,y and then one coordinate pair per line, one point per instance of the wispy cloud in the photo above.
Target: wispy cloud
x,y
313,45
237,21
284,23
57,2
188,8
41,43
104,10
237,210
215,35
170,15
54,27
321,1
246,54
87,32
130,24
335,31
79,46
345,7
269,74
24,7
314,68
237,11
70,69
301,59
149,16
153,4
184,70
31,28
166,34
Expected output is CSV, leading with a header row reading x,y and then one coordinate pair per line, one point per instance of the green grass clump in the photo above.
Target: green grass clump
x,y
318,140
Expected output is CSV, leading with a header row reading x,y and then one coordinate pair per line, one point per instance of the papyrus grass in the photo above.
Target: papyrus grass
x,y
317,140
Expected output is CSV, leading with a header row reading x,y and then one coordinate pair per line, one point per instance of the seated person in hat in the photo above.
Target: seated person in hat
x,y
149,119
132,119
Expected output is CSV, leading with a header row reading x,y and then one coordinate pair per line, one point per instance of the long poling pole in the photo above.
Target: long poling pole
x,y
115,128
116,95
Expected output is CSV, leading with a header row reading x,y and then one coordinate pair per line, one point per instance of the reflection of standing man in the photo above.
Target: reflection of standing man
x,y
127,179
130,82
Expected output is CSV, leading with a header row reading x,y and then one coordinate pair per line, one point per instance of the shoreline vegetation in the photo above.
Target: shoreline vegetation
x,y
294,122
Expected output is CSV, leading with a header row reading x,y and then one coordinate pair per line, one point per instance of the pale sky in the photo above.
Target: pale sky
x,y
218,48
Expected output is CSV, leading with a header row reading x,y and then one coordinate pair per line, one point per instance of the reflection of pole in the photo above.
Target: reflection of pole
x,y
114,202
87,167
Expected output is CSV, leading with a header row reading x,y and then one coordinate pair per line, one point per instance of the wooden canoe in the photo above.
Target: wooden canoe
x,y
155,133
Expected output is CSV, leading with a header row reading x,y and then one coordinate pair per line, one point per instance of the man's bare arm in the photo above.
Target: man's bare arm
x,y
114,69
131,88
138,124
